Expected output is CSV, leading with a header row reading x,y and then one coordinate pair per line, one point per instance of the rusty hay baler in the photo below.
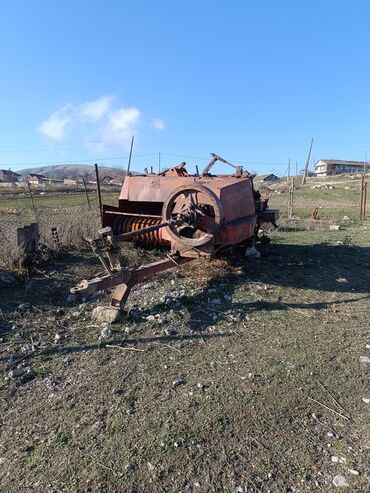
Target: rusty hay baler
x,y
194,216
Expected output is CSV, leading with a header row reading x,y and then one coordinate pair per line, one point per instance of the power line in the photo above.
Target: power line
x,y
75,161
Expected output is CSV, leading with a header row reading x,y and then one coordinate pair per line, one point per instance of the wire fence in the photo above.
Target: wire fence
x,y
64,219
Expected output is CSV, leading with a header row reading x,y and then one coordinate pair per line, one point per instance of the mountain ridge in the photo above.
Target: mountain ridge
x,y
74,171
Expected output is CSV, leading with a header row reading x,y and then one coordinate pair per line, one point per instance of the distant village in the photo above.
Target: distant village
x,y
8,177
323,167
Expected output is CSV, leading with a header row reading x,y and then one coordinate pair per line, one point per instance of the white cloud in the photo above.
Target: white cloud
x,y
55,126
158,124
100,123
95,110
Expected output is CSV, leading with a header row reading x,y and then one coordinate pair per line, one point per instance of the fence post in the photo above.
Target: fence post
x,y
98,192
290,202
33,202
363,198
86,192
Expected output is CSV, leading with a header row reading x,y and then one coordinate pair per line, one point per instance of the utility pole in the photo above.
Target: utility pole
x,y
296,168
288,176
98,192
129,159
307,163
159,162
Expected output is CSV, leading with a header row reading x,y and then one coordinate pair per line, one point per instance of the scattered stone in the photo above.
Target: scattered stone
x,y
341,280
340,481
28,375
150,318
345,218
118,391
16,372
364,359
150,466
97,295
334,227
24,306
338,460
366,400
178,382
2,460
252,252
109,314
354,472
227,297
57,338
105,333
129,330
169,332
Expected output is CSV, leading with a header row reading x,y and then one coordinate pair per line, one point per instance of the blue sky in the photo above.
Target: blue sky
x,y
251,81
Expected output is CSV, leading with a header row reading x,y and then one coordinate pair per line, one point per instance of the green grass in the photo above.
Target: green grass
x,y
110,419
50,199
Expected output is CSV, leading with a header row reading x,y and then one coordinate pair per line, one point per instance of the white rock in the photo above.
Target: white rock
x,y
105,333
57,338
150,318
109,314
178,382
150,466
342,280
24,306
354,472
364,359
340,481
2,460
366,400
340,460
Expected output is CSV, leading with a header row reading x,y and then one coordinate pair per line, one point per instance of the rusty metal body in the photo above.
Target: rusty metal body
x,y
193,215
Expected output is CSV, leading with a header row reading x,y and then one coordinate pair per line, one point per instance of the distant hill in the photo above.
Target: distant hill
x,y
74,171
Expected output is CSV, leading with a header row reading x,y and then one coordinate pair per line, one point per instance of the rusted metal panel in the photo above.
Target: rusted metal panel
x,y
194,215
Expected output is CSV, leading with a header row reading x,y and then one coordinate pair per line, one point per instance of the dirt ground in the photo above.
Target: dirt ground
x,y
236,375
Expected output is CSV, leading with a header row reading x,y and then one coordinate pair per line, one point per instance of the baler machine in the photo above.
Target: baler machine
x,y
194,216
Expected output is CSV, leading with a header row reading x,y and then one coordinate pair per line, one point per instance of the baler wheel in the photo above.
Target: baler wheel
x,y
202,219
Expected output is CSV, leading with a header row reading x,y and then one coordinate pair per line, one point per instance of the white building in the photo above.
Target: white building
x,y
326,167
